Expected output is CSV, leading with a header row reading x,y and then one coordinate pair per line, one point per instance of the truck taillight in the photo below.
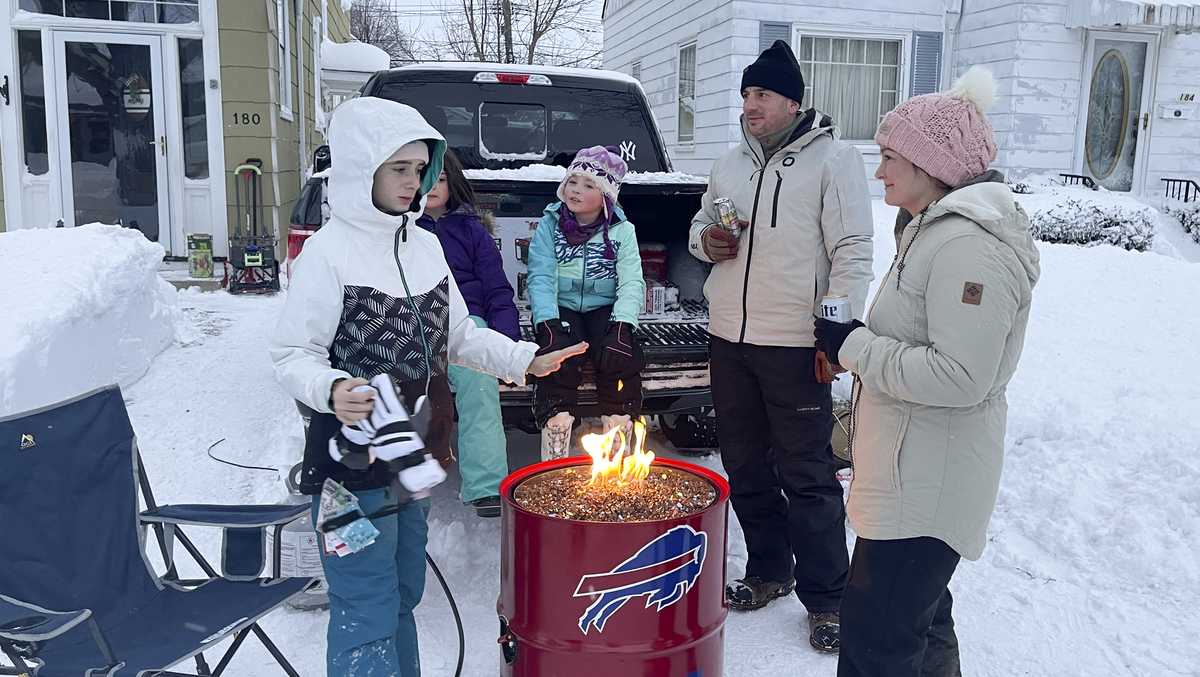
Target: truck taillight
x,y
513,78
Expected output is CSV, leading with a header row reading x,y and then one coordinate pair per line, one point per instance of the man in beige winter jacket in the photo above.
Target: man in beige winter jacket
x,y
806,233
931,367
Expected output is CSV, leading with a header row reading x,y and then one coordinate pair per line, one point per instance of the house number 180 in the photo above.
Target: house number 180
x,y
247,119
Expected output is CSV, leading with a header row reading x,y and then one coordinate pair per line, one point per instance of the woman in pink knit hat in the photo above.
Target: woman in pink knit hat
x,y
931,364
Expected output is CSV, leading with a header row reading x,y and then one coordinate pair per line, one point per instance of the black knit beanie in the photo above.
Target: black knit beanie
x,y
777,70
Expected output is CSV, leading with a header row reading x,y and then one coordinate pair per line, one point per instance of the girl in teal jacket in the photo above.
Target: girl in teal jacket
x,y
585,283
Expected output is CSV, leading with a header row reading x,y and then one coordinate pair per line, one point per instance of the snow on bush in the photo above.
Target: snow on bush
x,y
82,307
1187,213
1072,215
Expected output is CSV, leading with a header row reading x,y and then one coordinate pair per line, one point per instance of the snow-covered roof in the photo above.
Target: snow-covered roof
x,y
540,172
597,73
353,56
1180,15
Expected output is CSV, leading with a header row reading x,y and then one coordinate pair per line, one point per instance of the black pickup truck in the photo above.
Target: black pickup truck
x,y
516,128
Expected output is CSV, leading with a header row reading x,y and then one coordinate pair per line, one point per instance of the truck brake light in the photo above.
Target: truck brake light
x,y
513,78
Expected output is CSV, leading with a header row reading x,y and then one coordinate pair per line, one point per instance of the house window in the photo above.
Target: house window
x,y
283,25
687,93
144,11
855,80
33,101
636,70
192,107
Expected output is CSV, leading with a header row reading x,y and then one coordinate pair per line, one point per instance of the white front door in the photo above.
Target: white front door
x,y
1118,96
113,138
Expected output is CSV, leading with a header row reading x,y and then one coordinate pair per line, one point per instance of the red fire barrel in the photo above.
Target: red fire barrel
x,y
612,599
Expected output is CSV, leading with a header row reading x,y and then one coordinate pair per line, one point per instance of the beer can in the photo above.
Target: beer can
x,y
727,213
836,308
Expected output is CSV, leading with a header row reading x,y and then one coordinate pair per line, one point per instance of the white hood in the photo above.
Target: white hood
x,y
363,133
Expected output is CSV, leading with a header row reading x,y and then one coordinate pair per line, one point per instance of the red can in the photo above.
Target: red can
x,y
605,599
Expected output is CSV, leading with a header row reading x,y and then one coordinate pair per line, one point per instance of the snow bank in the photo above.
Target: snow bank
x,y
82,307
353,56
540,172
1074,215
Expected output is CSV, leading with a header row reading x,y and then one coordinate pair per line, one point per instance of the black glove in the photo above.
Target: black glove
x,y
831,335
554,335
619,354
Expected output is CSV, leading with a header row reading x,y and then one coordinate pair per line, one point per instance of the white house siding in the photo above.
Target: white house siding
x,y
843,17
651,32
1174,143
727,34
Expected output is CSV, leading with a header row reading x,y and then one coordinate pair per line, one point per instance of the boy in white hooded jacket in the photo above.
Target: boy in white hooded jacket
x,y
372,294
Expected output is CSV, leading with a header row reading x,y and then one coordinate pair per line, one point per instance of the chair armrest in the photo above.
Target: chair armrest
x,y
235,516
22,621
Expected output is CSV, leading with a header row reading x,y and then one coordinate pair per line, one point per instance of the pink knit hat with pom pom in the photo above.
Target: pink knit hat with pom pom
x,y
947,134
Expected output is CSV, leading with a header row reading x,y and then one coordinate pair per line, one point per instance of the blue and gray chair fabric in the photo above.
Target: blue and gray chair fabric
x,y
78,596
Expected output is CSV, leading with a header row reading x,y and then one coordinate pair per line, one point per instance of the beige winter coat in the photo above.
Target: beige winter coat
x,y
810,234
943,337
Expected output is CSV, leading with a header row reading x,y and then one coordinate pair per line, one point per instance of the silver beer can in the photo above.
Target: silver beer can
x,y
727,213
836,308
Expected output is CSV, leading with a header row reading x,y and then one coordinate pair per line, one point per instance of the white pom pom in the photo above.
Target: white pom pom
x,y
978,86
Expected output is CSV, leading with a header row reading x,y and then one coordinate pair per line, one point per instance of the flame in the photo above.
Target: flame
x,y
612,459
620,385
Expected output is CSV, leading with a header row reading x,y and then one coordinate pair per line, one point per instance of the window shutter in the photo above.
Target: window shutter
x,y
926,63
636,70
768,33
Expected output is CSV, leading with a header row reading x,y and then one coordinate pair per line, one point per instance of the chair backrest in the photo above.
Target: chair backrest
x,y
69,507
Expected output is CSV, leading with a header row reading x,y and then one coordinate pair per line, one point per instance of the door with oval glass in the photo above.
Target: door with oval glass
x,y
112,139
1115,118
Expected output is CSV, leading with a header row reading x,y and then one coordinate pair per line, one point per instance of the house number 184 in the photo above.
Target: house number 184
x,y
247,119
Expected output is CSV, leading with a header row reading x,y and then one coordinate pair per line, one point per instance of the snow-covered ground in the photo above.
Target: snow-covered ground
x,y
1091,567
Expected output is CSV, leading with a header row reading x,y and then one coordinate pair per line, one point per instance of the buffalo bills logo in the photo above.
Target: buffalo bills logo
x,y
663,570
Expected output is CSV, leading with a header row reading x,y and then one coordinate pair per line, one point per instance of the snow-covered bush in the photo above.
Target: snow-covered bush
x,y
1076,215
1187,213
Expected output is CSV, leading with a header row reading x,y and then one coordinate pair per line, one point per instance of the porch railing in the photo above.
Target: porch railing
x,y
1078,179
1182,189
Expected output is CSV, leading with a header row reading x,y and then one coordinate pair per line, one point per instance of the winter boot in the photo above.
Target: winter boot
x,y
556,436
752,592
824,631
623,421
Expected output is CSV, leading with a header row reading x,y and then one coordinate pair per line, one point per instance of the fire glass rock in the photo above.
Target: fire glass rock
x,y
566,493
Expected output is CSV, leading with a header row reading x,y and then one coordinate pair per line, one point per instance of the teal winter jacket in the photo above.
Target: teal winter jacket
x,y
579,277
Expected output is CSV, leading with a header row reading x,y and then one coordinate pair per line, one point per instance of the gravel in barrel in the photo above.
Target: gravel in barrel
x,y
565,493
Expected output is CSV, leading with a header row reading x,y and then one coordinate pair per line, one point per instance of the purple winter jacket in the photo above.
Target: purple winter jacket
x,y
477,267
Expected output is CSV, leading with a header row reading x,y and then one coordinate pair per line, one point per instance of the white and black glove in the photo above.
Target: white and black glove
x,y
390,434
351,445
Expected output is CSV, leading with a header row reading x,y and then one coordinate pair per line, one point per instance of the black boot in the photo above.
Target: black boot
x,y
752,592
824,631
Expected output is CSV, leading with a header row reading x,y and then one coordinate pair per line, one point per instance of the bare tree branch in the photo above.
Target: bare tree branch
x,y
553,32
375,22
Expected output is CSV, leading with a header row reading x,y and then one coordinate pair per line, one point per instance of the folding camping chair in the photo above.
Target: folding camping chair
x,y
78,597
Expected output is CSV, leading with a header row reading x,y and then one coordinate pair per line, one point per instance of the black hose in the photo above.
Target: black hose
x,y
462,641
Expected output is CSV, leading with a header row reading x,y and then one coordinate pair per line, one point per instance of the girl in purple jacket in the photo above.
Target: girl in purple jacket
x,y
479,271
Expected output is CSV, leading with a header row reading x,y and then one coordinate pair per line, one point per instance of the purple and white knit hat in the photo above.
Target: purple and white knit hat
x,y
601,165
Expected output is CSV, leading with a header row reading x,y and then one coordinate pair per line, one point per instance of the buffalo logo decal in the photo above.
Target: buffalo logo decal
x,y
663,570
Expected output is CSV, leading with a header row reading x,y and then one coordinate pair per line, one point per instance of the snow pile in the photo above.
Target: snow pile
x,y
1188,215
1090,567
82,307
353,56
555,173
1073,215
